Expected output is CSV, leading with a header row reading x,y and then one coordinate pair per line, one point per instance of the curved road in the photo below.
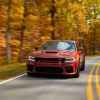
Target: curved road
x,y
86,87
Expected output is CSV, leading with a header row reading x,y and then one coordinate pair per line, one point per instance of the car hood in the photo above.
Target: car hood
x,y
53,54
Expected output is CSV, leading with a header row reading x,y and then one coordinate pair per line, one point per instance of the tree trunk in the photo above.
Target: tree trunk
x,y
8,35
21,47
8,47
53,11
21,52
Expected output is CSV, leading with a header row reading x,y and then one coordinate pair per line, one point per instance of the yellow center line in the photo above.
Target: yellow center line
x,y
89,90
97,81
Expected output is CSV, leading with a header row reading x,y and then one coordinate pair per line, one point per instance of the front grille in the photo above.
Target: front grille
x,y
50,60
49,69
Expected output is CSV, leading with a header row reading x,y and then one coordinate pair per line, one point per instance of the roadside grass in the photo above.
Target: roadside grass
x,y
11,70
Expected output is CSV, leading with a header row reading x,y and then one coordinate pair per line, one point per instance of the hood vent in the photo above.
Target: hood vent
x,y
51,52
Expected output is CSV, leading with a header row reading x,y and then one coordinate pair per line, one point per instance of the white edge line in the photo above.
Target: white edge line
x,y
11,79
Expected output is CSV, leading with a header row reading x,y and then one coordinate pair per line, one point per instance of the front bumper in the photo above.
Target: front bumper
x,y
52,68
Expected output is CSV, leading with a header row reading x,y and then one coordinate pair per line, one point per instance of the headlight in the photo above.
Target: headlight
x,y
70,59
31,58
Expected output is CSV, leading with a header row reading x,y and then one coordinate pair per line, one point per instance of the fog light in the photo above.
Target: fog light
x,y
69,69
33,70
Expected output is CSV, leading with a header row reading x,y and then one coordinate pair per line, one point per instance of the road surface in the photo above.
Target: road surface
x,y
86,87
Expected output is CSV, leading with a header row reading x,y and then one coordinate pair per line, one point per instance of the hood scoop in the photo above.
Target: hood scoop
x,y
51,52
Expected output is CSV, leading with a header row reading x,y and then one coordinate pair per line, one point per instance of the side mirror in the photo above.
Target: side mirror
x,y
81,49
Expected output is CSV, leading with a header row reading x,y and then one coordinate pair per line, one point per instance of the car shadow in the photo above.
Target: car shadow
x,y
51,77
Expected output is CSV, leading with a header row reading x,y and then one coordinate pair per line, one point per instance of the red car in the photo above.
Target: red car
x,y
58,57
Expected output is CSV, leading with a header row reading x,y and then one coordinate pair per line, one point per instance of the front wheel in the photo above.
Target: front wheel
x,y
29,74
83,66
77,73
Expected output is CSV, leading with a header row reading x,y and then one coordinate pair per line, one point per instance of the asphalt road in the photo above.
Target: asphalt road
x,y
86,87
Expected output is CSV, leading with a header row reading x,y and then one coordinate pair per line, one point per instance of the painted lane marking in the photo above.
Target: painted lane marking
x,y
97,81
11,79
89,90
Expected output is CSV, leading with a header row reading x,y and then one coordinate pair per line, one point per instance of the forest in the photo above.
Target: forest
x,y
27,24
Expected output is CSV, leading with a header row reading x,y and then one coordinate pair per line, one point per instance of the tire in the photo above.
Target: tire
x,y
77,73
83,66
29,74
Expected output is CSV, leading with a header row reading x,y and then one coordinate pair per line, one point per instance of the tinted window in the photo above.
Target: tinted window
x,y
54,45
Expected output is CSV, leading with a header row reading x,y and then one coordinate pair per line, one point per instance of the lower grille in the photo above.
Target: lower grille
x,y
69,69
49,69
50,60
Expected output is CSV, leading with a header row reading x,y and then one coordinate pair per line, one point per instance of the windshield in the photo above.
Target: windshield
x,y
55,45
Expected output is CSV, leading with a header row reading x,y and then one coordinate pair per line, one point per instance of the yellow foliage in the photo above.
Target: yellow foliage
x,y
31,18
15,53
17,10
44,38
15,43
16,2
60,2
49,19
50,28
2,41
